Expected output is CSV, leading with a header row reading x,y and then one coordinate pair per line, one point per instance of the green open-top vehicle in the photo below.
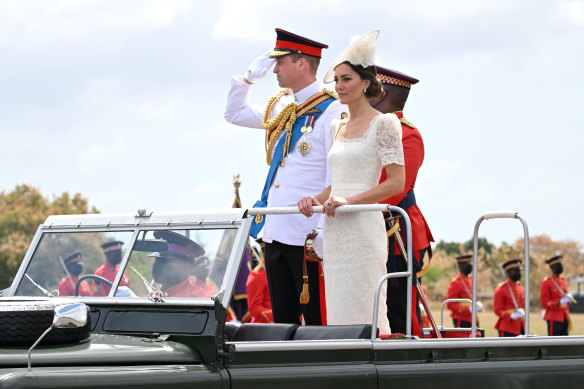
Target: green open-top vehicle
x,y
137,336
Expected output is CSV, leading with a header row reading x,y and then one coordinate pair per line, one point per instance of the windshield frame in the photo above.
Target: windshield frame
x,y
222,219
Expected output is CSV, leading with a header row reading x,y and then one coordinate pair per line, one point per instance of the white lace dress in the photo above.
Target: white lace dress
x,y
355,244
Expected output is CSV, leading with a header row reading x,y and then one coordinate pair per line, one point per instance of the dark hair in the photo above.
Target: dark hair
x,y
313,61
369,73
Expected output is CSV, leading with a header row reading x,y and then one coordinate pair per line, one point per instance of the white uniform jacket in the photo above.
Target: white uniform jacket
x,y
302,175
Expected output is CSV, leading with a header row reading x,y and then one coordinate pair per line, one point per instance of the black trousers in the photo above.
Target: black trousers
x,y
505,334
397,289
459,323
557,328
284,271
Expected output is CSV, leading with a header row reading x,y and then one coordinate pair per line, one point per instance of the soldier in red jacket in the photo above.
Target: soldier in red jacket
x,y
396,87
109,270
461,288
555,299
74,265
172,268
509,301
258,294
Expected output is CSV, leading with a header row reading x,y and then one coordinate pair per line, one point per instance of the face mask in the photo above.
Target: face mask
x,y
201,273
114,257
558,269
465,268
515,275
75,268
166,274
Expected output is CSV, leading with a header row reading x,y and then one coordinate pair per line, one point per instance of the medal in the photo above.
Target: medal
x,y
310,124
304,146
304,129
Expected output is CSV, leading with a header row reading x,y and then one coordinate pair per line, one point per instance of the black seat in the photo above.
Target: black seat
x,y
358,331
230,330
261,331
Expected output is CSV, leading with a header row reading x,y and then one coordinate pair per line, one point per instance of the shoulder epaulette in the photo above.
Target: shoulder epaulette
x,y
330,93
545,278
407,123
502,283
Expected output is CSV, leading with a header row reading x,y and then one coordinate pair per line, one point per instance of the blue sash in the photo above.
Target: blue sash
x,y
259,220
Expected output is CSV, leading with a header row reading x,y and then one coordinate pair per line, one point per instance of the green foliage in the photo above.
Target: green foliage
x,y
455,248
21,212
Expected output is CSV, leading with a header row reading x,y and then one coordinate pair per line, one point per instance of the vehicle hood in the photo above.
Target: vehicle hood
x,y
102,349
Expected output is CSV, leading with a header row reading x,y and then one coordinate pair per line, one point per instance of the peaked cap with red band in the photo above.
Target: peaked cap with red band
x,y
553,260
512,263
464,258
179,245
288,43
111,246
393,77
75,256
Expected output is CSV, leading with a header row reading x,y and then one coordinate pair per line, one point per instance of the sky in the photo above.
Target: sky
x,y
123,101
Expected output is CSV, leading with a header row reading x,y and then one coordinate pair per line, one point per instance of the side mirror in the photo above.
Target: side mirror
x,y
66,316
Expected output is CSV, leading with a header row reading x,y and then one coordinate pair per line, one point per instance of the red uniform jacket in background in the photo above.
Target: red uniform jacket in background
x,y
108,272
550,296
504,307
413,146
456,290
66,288
258,296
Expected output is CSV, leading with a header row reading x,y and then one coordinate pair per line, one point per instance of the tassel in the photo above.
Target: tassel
x,y
305,295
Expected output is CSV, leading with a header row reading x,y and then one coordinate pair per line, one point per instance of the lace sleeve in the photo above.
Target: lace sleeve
x,y
389,140
334,128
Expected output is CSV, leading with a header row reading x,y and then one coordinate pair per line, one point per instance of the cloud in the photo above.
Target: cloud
x,y
571,11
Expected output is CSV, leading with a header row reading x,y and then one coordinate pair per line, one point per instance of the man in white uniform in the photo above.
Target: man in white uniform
x,y
297,121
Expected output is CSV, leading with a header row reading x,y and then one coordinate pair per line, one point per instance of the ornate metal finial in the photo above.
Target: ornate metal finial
x,y
236,184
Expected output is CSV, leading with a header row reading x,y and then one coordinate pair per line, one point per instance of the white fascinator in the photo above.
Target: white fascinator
x,y
361,51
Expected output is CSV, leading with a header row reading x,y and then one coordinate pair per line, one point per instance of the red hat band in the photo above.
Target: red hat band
x,y
304,49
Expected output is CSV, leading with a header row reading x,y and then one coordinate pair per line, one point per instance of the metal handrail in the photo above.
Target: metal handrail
x,y
499,215
450,301
318,209
365,208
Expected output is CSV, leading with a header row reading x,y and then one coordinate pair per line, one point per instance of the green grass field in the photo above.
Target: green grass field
x,y
487,319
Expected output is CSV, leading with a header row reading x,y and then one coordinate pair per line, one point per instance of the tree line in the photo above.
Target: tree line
x,y
22,210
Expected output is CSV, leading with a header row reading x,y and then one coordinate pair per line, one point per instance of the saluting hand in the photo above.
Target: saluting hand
x,y
260,67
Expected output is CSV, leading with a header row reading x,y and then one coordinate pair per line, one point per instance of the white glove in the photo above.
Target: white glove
x,y
479,306
259,67
566,299
518,314
124,291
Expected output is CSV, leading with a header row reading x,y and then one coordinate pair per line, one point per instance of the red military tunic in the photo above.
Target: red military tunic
x,y
258,296
108,272
550,296
190,288
504,307
66,288
460,288
413,146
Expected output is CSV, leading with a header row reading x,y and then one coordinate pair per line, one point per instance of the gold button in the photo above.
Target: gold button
x,y
276,185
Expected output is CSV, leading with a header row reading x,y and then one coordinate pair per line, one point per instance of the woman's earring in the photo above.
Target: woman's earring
x,y
365,90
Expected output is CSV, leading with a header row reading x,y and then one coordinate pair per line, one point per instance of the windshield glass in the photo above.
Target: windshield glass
x,y
179,263
185,263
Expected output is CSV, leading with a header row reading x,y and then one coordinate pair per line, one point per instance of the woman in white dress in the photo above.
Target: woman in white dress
x,y
355,244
